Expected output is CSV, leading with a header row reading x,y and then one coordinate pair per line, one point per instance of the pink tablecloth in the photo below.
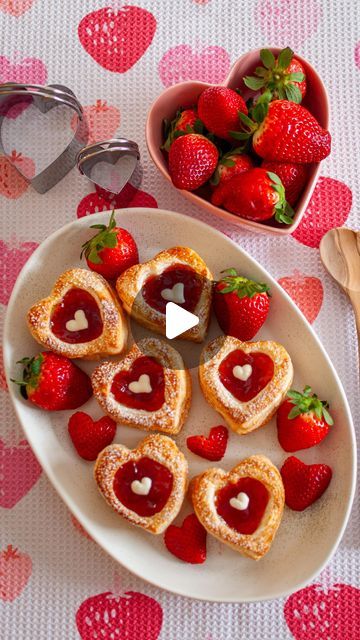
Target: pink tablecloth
x,y
56,568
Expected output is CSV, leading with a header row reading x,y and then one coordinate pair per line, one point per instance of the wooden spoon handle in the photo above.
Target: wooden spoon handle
x,y
355,301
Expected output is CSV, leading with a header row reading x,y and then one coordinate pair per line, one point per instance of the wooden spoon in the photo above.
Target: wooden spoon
x,y
340,253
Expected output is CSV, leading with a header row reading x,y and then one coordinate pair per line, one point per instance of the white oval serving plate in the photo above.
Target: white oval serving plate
x,y
305,541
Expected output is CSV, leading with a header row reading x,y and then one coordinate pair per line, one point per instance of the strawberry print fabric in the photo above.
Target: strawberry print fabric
x,y
55,582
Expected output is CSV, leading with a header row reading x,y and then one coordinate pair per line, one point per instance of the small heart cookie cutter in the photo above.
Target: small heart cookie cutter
x,y
46,98
98,163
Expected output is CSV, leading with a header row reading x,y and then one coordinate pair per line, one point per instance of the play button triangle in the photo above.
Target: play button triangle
x,y
178,320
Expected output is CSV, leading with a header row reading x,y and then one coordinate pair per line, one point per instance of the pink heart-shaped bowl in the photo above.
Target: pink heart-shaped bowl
x,y
186,93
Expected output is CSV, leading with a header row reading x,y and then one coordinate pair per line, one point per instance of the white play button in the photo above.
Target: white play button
x,y
178,320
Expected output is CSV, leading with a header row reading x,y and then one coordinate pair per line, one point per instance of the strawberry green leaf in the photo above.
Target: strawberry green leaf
x,y
308,402
284,58
261,72
267,58
297,76
243,287
254,83
239,135
275,178
293,93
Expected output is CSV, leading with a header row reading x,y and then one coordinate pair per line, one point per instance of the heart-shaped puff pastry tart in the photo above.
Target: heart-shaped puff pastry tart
x,y
81,318
245,381
242,508
149,388
145,485
176,275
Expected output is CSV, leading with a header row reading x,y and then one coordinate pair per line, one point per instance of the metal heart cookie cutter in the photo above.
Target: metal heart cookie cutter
x,y
27,126
111,164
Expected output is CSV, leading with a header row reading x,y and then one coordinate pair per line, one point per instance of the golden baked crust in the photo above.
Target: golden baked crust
x,y
204,486
161,449
244,417
113,338
130,283
173,413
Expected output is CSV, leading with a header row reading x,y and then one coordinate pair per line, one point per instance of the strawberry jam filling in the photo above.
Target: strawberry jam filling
x,y
77,318
247,491
144,470
150,399
154,287
262,371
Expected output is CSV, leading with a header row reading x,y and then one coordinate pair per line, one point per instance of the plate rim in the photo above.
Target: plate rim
x,y
58,488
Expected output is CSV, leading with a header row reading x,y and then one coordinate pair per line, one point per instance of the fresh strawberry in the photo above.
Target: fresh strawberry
x,y
256,194
192,161
231,164
241,305
186,121
302,420
304,483
287,133
188,542
53,382
212,447
89,437
292,175
218,109
283,76
111,251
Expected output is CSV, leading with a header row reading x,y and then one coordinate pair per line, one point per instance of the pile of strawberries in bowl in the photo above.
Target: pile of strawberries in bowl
x,y
250,147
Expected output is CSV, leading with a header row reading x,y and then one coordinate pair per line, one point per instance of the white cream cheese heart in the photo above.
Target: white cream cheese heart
x,y
240,502
78,322
142,385
141,487
176,294
242,372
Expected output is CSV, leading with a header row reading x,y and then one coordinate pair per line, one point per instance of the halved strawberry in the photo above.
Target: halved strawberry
x,y
212,447
88,436
283,76
304,483
188,542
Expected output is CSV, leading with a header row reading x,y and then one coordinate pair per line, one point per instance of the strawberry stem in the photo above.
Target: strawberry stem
x,y
105,238
308,402
243,287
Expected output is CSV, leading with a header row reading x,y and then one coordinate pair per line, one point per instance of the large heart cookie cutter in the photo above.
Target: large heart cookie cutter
x,y
45,98
111,164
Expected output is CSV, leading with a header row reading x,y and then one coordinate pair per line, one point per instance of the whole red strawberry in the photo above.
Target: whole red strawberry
x,y
256,194
304,483
241,305
89,437
186,121
192,161
231,164
188,542
289,133
53,382
111,251
283,76
302,420
218,109
292,175
212,447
